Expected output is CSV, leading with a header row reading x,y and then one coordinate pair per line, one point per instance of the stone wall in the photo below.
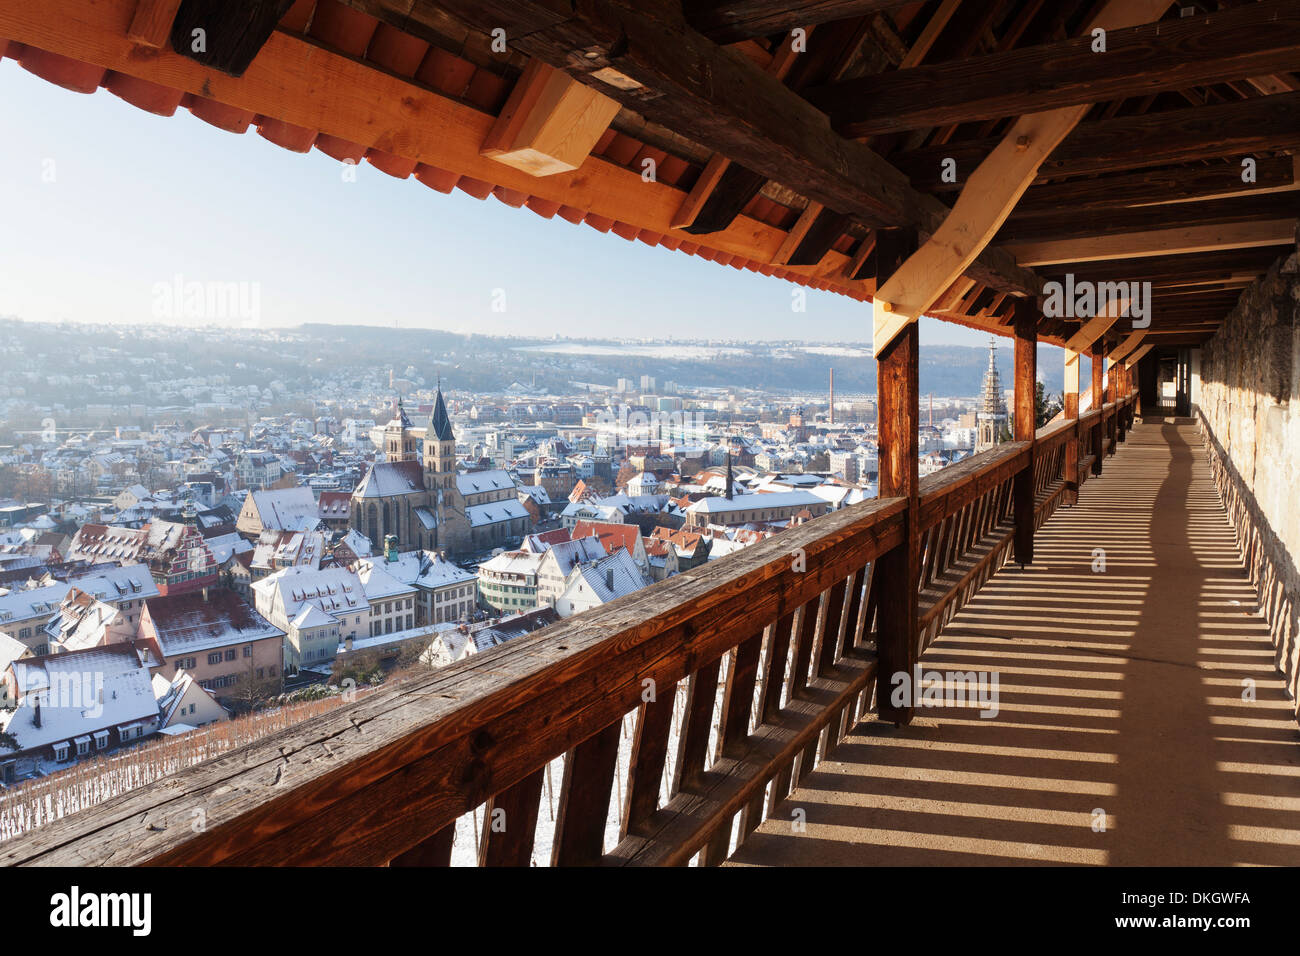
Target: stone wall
x,y
1250,411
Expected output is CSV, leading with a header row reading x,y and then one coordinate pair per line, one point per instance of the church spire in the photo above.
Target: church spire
x,y
440,421
729,478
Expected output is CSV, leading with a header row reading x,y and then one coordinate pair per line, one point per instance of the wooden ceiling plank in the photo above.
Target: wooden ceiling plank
x,y
1144,59
1158,242
1233,130
729,21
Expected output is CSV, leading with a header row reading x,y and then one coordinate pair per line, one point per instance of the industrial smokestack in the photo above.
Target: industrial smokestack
x,y
831,419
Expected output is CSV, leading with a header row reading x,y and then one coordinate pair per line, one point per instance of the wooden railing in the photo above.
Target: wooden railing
x,y
769,657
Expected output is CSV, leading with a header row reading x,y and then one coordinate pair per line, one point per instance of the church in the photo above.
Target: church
x,y
426,503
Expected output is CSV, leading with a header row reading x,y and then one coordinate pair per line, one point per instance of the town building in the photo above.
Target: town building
x,y
176,554
216,637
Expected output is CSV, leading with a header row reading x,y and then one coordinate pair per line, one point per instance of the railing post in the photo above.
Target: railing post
x,y
897,418
1026,325
1120,391
1070,400
1098,400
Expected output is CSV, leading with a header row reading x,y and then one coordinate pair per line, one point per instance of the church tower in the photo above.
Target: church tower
x,y
399,443
439,449
991,418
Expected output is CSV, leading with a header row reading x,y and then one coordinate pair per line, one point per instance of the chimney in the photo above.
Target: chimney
x,y
347,644
36,708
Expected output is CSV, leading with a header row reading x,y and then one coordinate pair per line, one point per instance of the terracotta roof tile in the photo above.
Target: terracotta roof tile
x,y
475,187
291,137
343,150
298,15
230,118
571,214
62,71
672,169
342,27
511,197
487,90
435,178
599,223
150,97
545,208
622,149
445,71
624,230
397,51
397,166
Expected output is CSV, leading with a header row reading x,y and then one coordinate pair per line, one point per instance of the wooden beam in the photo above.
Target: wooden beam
x,y
989,194
722,101
231,31
1235,130
929,34
1187,268
1144,59
1098,399
152,23
796,233
1070,410
1136,357
1131,341
1094,328
1158,186
1074,224
1026,386
729,21
897,573
550,123
1158,242
717,166
818,240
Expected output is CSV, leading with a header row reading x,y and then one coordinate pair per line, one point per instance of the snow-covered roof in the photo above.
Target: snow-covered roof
x,y
475,482
388,478
195,622
617,569
422,569
287,509
495,512
756,502
79,693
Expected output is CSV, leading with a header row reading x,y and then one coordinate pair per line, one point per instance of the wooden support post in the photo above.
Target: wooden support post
x,y
1070,399
1026,325
898,415
1098,400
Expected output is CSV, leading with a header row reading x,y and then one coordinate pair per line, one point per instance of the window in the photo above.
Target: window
x,y
230,654
192,707
214,658
83,747
61,752
248,650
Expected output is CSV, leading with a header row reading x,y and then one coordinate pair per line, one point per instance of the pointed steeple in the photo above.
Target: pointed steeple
x,y
729,479
402,416
440,421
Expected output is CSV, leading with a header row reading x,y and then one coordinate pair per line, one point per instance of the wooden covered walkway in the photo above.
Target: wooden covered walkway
x,y
1120,693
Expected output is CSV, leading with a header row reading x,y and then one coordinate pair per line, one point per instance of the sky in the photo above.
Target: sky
x,y
102,205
